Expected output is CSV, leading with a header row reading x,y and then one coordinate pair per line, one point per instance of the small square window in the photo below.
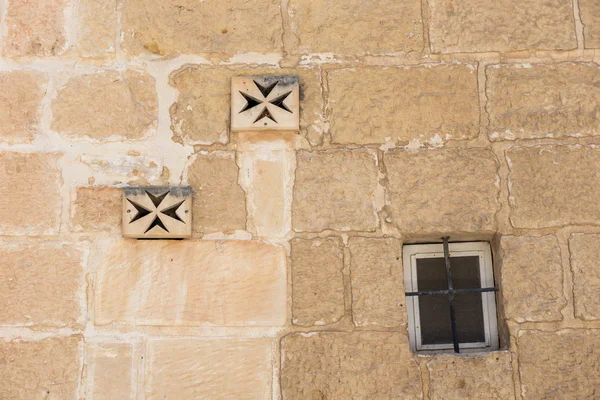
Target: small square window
x,y
451,299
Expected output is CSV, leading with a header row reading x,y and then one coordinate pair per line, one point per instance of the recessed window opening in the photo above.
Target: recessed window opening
x,y
451,299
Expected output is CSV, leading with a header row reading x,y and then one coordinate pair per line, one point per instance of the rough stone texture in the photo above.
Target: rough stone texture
x,y
34,30
21,94
559,365
590,16
192,283
335,190
482,376
377,284
201,113
47,369
543,100
109,365
217,369
443,190
165,27
318,281
96,209
554,185
349,365
532,278
503,25
357,27
585,263
116,103
219,203
97,27
24,211
372,106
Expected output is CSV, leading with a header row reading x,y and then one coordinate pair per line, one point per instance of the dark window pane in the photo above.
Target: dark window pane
x,y
465,272
468,311
434,311
431,274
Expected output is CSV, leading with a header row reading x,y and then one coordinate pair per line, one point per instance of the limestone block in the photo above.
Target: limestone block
x,y
559,365
96,28
460,26
585,263
105,104
554,185
349,365
31,201
532,278
443,190
543,100
357,27
377,282
590,16
317,281
167,27
335,190
192,283
96,208
110,370
481,376
48,369
21,94
399,105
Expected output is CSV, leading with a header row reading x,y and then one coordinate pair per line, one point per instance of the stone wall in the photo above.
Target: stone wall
x,y
476,119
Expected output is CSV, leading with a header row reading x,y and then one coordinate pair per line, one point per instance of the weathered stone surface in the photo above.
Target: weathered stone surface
x,y
335,190
429,104
559,365
109,367
192,283
201,113
209,369
543,100
482,376
443,190
352,365
532,278
585,263
96,28
317,281
590,16
21,94
48,369
40,284
104,104
31,202
503,25
357,27
96,208
377,285
554,185
219,203
34,30
165,27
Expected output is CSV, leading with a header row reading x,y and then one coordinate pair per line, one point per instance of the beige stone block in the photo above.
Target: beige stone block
x,y
96,208
34,30
218,369
553,185
31,201
543,101
377,285
400,105
589,11
21,94
349,365
532,278
482,376
110,370
460,26
167,27
317,281
436,191
559,365
48,369
585,264
219,203
357,27
96,28
105,104
335,190
191,283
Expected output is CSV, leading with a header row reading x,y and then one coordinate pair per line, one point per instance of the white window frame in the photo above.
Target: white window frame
x,y
413,252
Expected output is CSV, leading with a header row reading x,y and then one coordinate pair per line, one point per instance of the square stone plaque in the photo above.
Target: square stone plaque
x,y
157,212
265,103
